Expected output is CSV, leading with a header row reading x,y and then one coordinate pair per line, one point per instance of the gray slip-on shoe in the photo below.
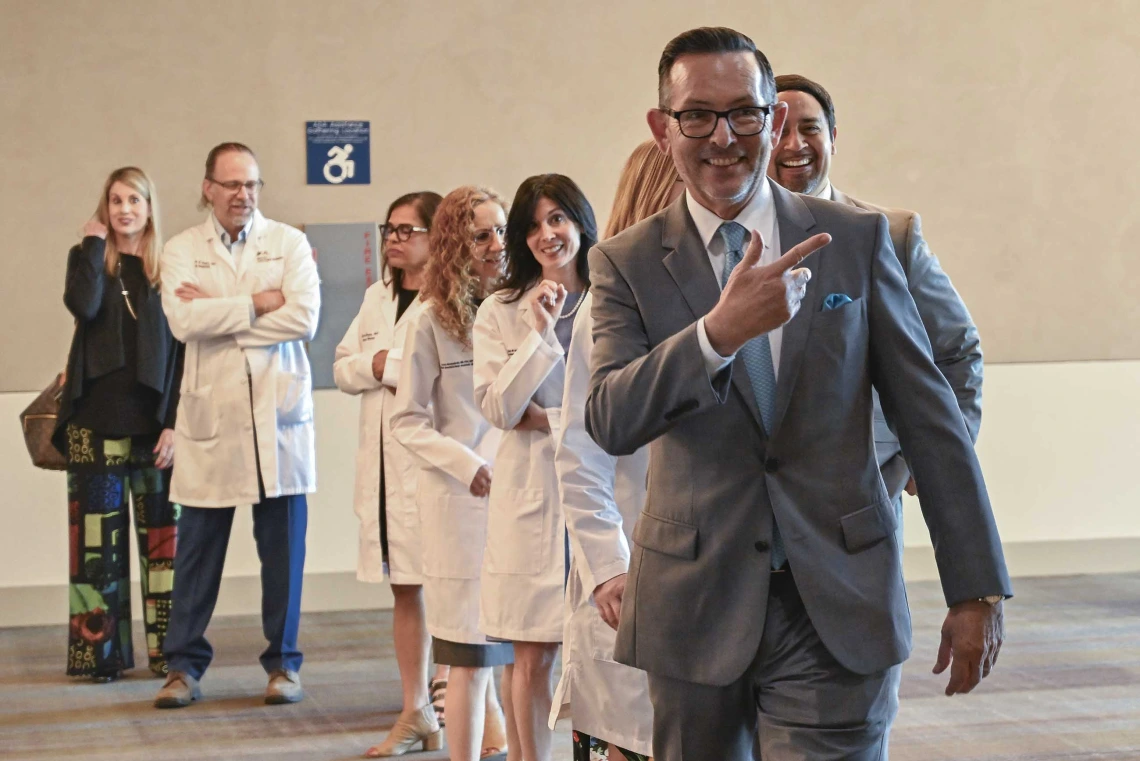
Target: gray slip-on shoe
x,y
284,687
179,691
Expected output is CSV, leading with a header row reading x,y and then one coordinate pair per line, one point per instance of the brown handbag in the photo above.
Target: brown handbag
x,y
38,422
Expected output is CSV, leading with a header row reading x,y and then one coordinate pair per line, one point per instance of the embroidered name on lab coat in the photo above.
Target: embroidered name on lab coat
x,y
199,264
368,336
265,256
457,365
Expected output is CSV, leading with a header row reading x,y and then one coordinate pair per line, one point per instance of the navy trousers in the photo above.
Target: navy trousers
x,y
279,525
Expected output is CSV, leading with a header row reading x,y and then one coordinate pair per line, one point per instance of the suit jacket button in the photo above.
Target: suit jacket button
x,y
771,465
762,546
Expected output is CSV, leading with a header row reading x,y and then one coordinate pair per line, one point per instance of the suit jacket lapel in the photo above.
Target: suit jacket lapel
x,y
688,264
688,261
796,223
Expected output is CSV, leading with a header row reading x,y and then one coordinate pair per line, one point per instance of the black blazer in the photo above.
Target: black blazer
x,y
96,348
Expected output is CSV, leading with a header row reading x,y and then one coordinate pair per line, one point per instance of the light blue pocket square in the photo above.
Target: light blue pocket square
x,y
834,301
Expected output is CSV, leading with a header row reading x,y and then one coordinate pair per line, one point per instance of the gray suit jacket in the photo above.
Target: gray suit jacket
x,y
953,336
698,583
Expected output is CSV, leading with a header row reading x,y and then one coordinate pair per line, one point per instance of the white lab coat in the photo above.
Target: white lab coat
x,y
214,433
524,568
435,417
602,497
376,329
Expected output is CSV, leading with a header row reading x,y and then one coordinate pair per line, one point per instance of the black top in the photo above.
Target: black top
x,y
116,404
123,373
404,300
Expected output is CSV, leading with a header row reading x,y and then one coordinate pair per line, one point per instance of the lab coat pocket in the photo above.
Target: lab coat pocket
x,y
602,638
198,415
517,529
554,420
294,399
458,527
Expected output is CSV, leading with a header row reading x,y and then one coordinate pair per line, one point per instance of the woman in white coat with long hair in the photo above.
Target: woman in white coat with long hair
x,y
437,420
602,496
368,364
521,336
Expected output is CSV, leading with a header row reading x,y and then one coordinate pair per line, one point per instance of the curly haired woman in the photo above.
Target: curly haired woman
x,y
437,420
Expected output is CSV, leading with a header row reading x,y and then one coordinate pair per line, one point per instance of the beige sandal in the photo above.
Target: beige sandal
x,y
419,727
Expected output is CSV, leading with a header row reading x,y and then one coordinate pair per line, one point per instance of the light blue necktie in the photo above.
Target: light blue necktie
x,y
757,357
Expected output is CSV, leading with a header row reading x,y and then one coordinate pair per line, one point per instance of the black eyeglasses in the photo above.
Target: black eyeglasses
x,y
402,232
233,186
701,122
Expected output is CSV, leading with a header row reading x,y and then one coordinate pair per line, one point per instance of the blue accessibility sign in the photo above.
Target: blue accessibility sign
x,y
338,153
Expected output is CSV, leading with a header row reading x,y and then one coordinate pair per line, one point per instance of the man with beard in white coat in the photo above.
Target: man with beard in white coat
x,y
241,291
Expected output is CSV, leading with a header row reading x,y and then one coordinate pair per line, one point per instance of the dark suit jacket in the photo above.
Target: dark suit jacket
x,y
696,597
952,333
96,347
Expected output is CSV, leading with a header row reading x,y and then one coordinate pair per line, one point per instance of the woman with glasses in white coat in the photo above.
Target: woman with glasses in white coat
x,y
610,712
437,420
368,364
521,335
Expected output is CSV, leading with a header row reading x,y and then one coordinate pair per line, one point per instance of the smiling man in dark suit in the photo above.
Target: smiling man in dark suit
x,y
765,595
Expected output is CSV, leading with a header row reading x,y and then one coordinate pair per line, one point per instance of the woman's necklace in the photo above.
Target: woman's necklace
x,y
123,290
574,311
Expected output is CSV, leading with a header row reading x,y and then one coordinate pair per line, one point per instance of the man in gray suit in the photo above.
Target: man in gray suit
x,y
801,162
765,595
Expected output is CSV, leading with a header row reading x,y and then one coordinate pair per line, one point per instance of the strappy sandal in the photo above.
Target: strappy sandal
x,y
437,688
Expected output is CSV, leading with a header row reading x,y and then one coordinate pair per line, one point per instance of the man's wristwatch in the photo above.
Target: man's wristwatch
x,y
991,599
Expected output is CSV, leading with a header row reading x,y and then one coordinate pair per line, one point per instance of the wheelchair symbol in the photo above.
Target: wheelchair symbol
x,y
339,166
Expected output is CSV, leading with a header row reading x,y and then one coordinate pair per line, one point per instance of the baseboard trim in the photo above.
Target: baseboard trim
x,y
1067,558
241,595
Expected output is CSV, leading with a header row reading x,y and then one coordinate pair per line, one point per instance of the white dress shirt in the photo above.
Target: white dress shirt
x,y
235,247
759,215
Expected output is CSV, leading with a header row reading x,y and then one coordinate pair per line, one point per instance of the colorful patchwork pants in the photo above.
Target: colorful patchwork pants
x,y
587,748
102,476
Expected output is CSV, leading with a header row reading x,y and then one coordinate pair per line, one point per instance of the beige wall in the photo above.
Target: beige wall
x,y
1012,126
